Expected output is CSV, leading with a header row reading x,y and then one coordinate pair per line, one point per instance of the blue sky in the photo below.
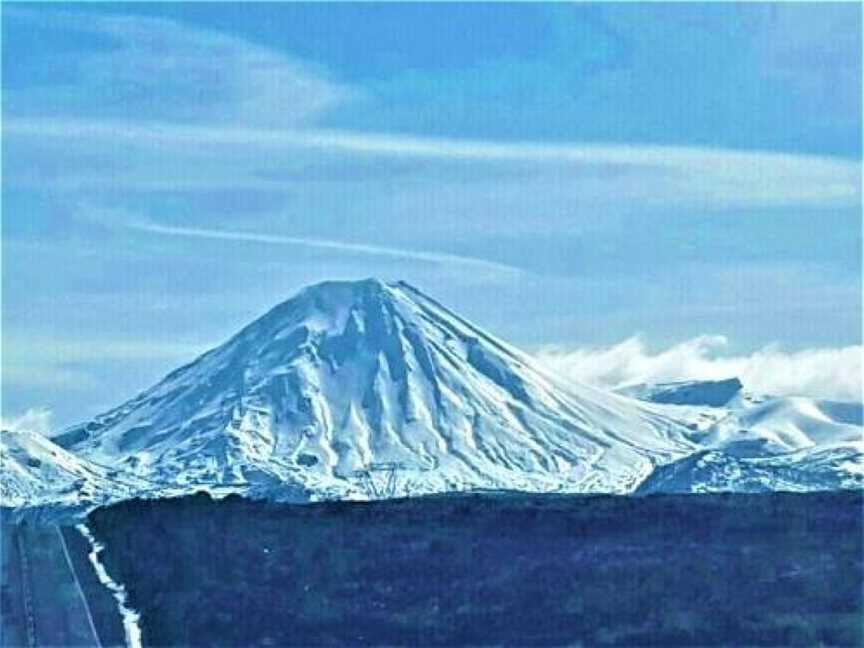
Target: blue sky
x,y
568,176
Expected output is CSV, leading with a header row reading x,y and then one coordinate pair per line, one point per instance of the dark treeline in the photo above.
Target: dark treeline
x,y
777,569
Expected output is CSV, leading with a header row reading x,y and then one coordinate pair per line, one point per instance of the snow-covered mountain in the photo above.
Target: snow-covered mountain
x,y
812,469
350,385
758,442
365,389
785,424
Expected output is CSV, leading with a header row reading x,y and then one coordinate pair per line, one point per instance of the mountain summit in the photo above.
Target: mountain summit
x,y
352,382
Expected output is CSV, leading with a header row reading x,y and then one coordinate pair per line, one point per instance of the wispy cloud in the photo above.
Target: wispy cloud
x,y
326,244
161,69
823,372
424,147
657,174
35,419
165,106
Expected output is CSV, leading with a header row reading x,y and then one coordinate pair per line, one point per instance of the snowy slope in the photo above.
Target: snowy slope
x,y
813,469
757,442
37,471
785,425
351,384
759,424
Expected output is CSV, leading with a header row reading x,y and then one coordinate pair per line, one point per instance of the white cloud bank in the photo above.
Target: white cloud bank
x,y
834,373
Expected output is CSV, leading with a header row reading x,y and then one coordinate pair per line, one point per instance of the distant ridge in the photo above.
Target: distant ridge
x,y
713,393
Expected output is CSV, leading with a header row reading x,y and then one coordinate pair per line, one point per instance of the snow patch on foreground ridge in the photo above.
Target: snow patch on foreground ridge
x,y
130,617
364,389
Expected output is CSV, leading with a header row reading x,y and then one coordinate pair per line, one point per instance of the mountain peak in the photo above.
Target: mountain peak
x,y
349,375
329,305
370,285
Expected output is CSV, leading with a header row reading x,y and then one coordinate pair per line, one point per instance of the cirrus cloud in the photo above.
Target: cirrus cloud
x,y
160,69
160,155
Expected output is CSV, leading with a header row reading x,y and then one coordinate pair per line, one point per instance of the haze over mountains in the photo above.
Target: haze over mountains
x,y
352,390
